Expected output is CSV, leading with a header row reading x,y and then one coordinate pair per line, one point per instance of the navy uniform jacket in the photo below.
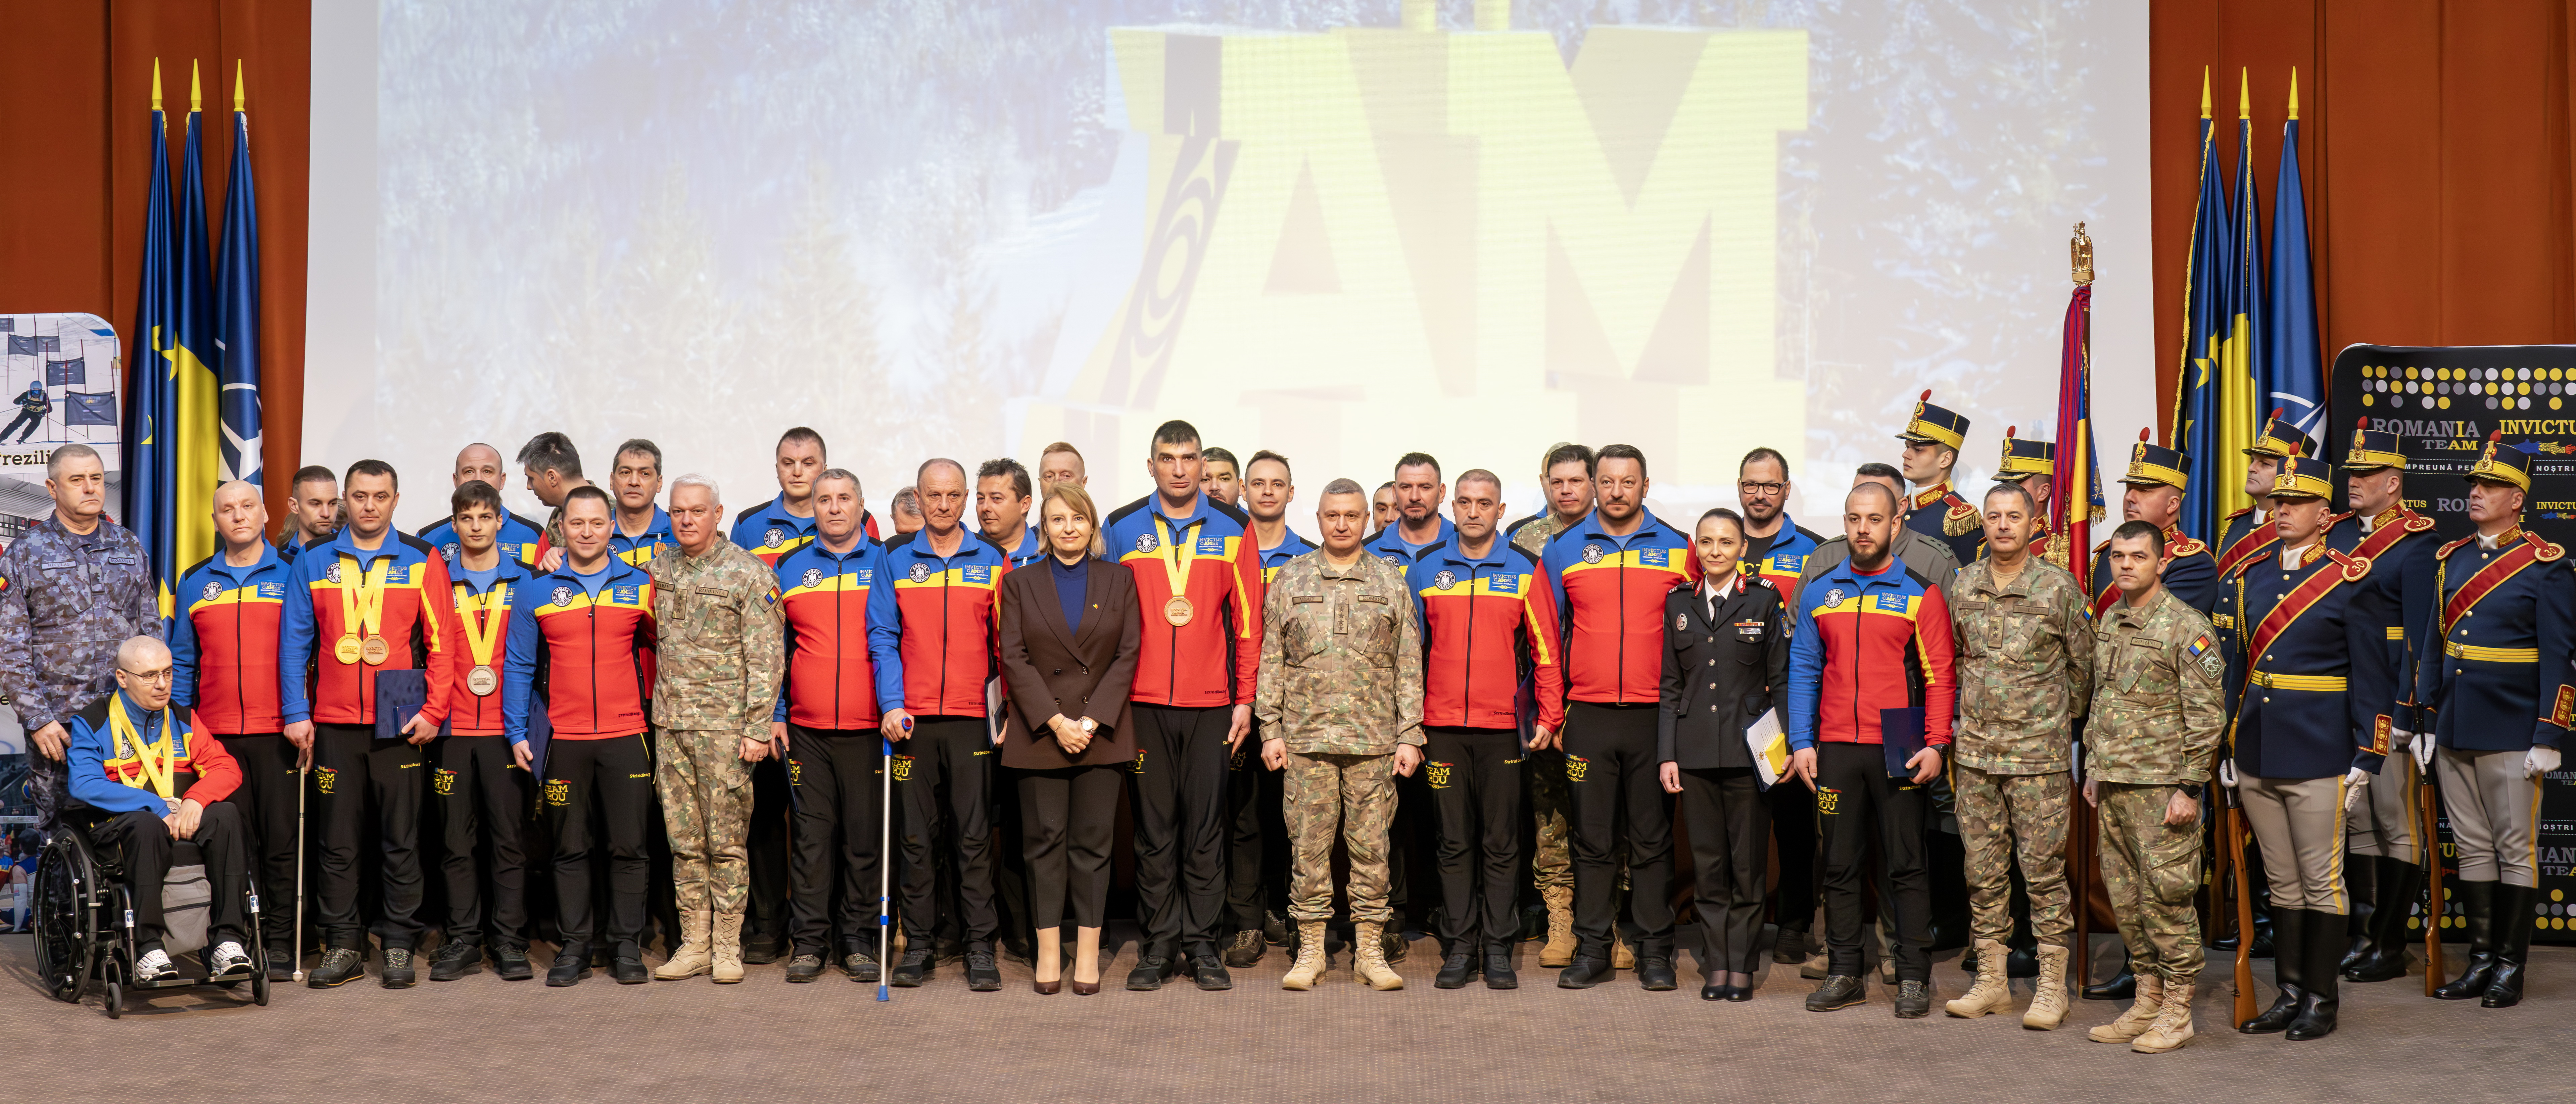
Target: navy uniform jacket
x,y
2314,702
2191,573
2499,680
1939,513
2242,523
2399,545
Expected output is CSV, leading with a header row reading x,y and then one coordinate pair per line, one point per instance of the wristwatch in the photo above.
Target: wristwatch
x,y
1088,725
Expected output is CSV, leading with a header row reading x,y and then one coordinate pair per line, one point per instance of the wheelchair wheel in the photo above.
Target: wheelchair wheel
x,y
259,987
66,908
115,1001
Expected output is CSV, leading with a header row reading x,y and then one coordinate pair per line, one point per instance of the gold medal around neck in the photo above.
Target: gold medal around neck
x,y
482,681
377,651
1178,611
348,649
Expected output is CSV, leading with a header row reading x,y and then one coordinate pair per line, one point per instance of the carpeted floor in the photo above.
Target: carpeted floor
x,y
482,1038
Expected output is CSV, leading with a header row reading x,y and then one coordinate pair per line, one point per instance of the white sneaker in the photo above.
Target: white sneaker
x,y
155,966
227,960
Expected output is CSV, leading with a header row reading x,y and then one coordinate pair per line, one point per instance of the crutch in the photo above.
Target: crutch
x,y
302,770
885,864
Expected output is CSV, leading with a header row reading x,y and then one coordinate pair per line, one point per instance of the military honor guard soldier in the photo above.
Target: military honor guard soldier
x,y
2249,533
2155,485
1932,438
2494,707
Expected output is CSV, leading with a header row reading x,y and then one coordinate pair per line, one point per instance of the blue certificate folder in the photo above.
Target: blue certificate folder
x,y
400,694
1900,736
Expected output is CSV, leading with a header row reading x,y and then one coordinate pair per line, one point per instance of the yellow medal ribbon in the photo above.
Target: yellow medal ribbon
x,y
362,602
483,635
161,770
1177,565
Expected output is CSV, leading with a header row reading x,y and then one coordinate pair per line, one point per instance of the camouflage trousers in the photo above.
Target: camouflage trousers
x,y
1349,795
2003,817
1552,861
2151,869
706,808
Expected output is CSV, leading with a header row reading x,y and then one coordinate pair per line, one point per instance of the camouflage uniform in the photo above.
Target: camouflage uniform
x,y
2156,717
66,602
723,655
1341,683
1552,862
2025,674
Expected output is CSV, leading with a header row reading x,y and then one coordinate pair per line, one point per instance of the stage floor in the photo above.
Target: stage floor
x,y
482,1038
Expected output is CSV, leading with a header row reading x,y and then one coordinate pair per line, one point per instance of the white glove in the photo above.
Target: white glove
x,y
2424,753
2399,740
2539,761
2355,784
2227,773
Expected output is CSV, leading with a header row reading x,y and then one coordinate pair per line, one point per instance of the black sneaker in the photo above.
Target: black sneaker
x,y
455,959
1655,974
1838,991
1209,971
398,973
1456,971
510,960
982,975
1586,971
860,965
628,966
804,968
1245,950
1913,999
572,964
760,948
281,964
1274,928
915,968
1149,973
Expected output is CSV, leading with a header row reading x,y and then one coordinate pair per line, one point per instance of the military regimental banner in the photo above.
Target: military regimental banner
x,y
2442,403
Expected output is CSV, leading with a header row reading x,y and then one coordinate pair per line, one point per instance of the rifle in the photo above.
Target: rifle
x,y
2232,822
2428,799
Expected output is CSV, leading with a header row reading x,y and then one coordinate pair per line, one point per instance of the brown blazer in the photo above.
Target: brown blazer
x,y
1049,670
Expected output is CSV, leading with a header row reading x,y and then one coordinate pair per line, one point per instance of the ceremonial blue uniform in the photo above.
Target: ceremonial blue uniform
x,y
2317,701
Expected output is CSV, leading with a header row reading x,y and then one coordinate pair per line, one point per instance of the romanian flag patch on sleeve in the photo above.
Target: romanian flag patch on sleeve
x,y
2201,644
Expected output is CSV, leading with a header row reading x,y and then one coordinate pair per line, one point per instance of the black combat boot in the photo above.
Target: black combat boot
x,y
2289,970
2513,925
2477,907
2321,952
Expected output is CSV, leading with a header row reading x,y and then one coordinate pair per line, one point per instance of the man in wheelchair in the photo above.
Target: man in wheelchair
x,y
156,782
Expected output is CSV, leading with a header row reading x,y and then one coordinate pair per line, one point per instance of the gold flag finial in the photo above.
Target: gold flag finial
x,y
2244,95
2079,250
156,84
237,87
196,94
2204,91
2294,91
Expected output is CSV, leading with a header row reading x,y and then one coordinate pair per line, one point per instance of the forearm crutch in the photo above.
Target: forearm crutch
x,y
302,770
885,867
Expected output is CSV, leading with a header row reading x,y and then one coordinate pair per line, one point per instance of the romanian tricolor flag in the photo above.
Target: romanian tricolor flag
x,y
2214,411
2075,487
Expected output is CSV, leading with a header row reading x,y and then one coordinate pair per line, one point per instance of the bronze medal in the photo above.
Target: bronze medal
x,y
482,681
347,649
1178,611
377,651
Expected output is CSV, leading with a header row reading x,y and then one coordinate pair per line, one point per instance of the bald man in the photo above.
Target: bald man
x,y
521,541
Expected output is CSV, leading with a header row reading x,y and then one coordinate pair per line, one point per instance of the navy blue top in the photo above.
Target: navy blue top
x,y
1070,583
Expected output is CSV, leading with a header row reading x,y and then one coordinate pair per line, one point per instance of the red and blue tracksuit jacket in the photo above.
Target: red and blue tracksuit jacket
x,y
1485,620
481,714
591,654
1389,543
223,644
1610,593
104,779
1188,665
1863,643
769,531
418,621
935,625
1786,559
1290,547
519,540
638,551
831,677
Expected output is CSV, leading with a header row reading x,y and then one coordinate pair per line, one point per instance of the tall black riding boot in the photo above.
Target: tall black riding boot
x,y
2399,884
2362,877
2513,917
2322,951
2477,907
2289,937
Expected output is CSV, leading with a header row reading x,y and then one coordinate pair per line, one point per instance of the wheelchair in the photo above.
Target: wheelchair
x,y
85,928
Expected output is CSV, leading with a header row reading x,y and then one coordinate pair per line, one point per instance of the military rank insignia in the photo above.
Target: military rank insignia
x,y
2564,710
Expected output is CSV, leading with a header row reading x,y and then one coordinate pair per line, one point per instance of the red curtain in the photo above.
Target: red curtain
x,y
2434,138
79,89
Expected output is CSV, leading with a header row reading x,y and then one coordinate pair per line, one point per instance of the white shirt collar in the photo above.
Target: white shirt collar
x,y
2490,544
2290,557
1721,590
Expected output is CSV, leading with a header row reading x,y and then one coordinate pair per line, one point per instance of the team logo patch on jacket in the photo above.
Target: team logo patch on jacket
x,y
332,572
562,596
1444,580
1145,542
920,573
771,538
813,576
213,591
1592,553
447,551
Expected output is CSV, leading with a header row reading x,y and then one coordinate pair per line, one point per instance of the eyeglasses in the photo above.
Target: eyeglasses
x,y
165,674
1750,487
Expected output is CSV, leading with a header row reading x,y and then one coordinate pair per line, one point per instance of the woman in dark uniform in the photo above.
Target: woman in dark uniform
x,y
1726,648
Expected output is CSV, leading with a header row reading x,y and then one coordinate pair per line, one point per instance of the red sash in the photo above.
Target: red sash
x,y
2344,569
2250,546
2386,537
2493,575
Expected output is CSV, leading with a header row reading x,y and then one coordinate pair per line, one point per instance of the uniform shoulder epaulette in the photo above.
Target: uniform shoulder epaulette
x,y
2444,552
1962,519
1749,580
2354,567
2417,523
2187,546
2545,550
2333,520
2241,511
2097,549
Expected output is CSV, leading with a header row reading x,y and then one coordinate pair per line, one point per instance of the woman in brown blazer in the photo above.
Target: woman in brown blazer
x,y
1070,629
